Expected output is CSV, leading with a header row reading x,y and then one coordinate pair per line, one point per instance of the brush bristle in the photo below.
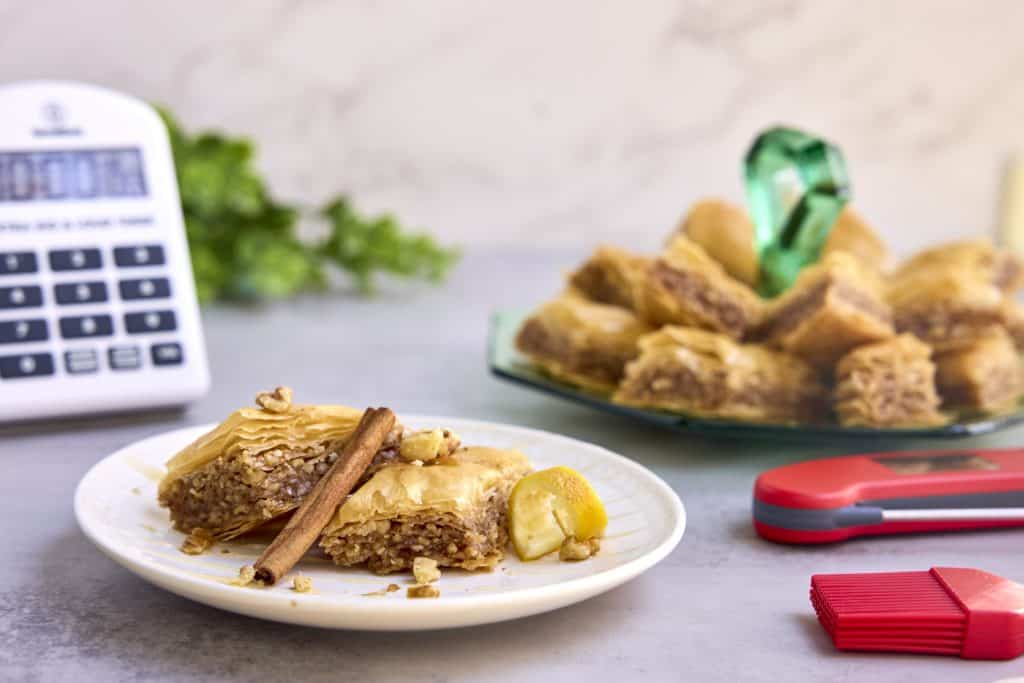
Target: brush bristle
x,y
896,611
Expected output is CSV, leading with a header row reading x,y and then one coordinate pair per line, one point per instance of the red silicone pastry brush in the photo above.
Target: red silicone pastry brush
x,y
943,611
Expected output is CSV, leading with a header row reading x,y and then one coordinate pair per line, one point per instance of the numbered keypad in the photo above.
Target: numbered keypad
x,y
106,274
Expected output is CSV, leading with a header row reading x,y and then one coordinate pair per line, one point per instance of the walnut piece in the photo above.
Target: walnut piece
x,y
197,542
575,550
425,570
246,575
302,584
428,444
277,401
426,591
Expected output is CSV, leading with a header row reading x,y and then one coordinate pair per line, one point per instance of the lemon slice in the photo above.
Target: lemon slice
x,y
547,507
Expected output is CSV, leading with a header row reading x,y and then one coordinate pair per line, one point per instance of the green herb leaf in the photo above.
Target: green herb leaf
x,y
244,244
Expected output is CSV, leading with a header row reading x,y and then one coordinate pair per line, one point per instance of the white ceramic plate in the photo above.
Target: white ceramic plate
x,y
115,504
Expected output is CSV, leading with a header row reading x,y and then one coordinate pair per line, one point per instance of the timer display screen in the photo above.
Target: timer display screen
x,y
81,174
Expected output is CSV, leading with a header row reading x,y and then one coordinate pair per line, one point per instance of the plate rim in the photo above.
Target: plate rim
x,y
554,595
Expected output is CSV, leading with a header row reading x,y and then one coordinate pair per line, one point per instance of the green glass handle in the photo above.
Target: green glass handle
x,y
797,185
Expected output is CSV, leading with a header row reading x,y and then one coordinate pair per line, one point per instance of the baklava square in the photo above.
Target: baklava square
x,y
453,510
984,376
611,276
997,267
888,384
581,342
687,287
834,306
696,372
947,308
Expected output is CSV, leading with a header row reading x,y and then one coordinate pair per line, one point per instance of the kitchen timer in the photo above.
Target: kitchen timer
x,y
97,303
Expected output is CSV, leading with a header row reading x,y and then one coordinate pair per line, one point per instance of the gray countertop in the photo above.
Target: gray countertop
x,y
725,606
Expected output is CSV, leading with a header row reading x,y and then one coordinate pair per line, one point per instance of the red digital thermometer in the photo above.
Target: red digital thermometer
x,y
823,501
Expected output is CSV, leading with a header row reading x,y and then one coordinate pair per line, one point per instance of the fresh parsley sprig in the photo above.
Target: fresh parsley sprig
x,y
244,244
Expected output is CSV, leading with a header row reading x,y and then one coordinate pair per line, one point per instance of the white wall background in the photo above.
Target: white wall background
x,y
565,122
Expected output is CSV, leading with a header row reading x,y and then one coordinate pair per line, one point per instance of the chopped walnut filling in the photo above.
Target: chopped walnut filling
x,y
302,584
246,575
425,570
575,550
426,591
197,542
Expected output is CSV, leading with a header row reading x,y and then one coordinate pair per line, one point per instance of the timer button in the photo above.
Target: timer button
x,y
81,361
124,357
149,321
16,262
141,255
26,365
75,259
146,288
80,292
21,297
19,331
77,327
166,354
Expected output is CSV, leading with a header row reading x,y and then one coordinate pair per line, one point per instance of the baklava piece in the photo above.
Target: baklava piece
x,y
851,234
258,464
985,376
696,372
726,233
611,276
1013,318
453,511
687,287
947,308
888,384
834,306
581,342
994,266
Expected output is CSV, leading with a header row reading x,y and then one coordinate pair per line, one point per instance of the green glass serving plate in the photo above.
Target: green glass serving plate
x,y
508,364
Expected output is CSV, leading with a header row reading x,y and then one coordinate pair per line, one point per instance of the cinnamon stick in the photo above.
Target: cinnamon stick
x,y
317,509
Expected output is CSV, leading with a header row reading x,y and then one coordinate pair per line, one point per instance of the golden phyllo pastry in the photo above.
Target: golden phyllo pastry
x,y
984,376
725,232
685,286
257,465
834,306
581,342
1013,319
888,384
696,372
611,276
851,234
453,511
947,308
979,257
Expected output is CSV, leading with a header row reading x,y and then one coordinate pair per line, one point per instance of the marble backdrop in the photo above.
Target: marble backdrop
x,y
539,122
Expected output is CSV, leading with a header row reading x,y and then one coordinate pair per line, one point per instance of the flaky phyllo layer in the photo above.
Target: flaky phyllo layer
x,y
257,465
453,510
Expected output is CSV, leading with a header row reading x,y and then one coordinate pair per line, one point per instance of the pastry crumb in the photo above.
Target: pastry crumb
x,y
425,570
390,588
575,550
423,591
136,490
294,604
246,576
197,542
225,551
302,584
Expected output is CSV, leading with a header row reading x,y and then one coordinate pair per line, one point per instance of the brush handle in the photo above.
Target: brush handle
x,y
953,515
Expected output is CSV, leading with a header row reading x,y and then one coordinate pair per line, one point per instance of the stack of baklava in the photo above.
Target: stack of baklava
x,y
684,330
